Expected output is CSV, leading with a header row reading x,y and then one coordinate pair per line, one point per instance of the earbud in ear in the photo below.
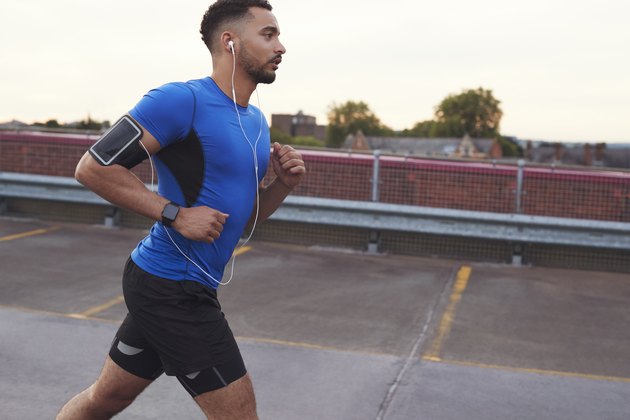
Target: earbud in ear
x,y
231,45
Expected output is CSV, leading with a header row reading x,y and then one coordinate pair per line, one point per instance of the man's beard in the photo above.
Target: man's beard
x,y
254,69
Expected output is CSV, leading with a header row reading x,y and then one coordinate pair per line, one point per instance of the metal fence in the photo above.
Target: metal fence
x,y
490,211
497,187
516,188
496,211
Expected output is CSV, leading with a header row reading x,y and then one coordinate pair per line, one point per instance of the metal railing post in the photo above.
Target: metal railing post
x,y
376,175
517,248
519,186
375,236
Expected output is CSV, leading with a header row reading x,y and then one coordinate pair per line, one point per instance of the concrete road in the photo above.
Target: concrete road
x,y
329,334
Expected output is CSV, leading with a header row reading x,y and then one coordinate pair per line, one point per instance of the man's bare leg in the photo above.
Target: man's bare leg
x,y
234,402
112,392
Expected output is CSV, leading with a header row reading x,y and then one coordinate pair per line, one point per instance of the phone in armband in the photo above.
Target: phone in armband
x,y
111,148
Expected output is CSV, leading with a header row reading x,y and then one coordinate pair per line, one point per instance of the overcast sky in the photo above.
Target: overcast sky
x,y
561,68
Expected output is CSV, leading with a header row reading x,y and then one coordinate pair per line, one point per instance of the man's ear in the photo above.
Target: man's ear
x,y
227,41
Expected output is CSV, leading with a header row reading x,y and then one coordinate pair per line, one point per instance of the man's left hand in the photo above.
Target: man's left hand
x,y
287,164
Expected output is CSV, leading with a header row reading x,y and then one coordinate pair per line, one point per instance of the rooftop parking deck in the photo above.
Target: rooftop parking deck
x,y
328,333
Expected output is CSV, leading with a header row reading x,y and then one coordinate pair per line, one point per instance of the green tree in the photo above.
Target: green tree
x,y
283,138
278,135
90,124
350,117
306,141
509,147
421,129
474,111
52,124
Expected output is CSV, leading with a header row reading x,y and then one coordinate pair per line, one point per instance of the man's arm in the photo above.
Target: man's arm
x,y
289,168
121,187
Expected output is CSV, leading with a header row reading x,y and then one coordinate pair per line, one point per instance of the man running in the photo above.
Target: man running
x,y
211,150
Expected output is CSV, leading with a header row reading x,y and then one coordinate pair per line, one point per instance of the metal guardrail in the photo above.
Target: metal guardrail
x,y
472,224
51,188
45,187
372,216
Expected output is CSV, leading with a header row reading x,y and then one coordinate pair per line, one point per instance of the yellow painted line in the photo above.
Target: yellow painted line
x,y
58,314
251,339
310,346
99,308
529,370
242,250
120,299
446,323
88,313
287,343
27,234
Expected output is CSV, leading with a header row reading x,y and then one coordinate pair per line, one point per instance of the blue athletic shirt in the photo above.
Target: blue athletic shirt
x,y
205,160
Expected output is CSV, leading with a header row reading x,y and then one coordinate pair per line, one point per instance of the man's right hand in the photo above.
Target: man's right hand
x,y
200,223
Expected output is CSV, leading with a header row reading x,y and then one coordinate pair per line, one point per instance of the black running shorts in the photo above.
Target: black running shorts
x,y
175,327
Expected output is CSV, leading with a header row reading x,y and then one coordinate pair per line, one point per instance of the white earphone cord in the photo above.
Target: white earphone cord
x,y
254,148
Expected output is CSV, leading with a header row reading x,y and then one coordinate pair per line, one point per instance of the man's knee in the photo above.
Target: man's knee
x,y
108,401
112,392
115,389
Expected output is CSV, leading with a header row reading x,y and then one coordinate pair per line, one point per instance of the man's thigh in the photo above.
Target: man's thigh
x,y
235,401
116,384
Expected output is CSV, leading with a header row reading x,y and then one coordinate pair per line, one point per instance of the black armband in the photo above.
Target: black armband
x,y
120,145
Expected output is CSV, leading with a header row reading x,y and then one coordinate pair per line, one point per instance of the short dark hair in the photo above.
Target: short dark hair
x,y
224,11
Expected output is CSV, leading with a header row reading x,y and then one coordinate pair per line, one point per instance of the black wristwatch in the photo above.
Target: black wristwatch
x,y
169,214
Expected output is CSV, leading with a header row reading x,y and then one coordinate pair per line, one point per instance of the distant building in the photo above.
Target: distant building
x,y
465,147
586,154
298,125
12,125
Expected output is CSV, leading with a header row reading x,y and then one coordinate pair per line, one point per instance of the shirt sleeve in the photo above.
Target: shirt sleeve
x,y
166,112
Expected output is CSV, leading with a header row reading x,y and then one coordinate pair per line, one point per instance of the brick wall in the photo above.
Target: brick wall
x,y
48,154
41,154
599,195
578,194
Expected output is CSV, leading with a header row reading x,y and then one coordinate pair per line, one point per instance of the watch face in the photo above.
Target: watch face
x,y
170,211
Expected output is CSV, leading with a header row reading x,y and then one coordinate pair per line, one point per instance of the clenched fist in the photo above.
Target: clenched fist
x,y
200,223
